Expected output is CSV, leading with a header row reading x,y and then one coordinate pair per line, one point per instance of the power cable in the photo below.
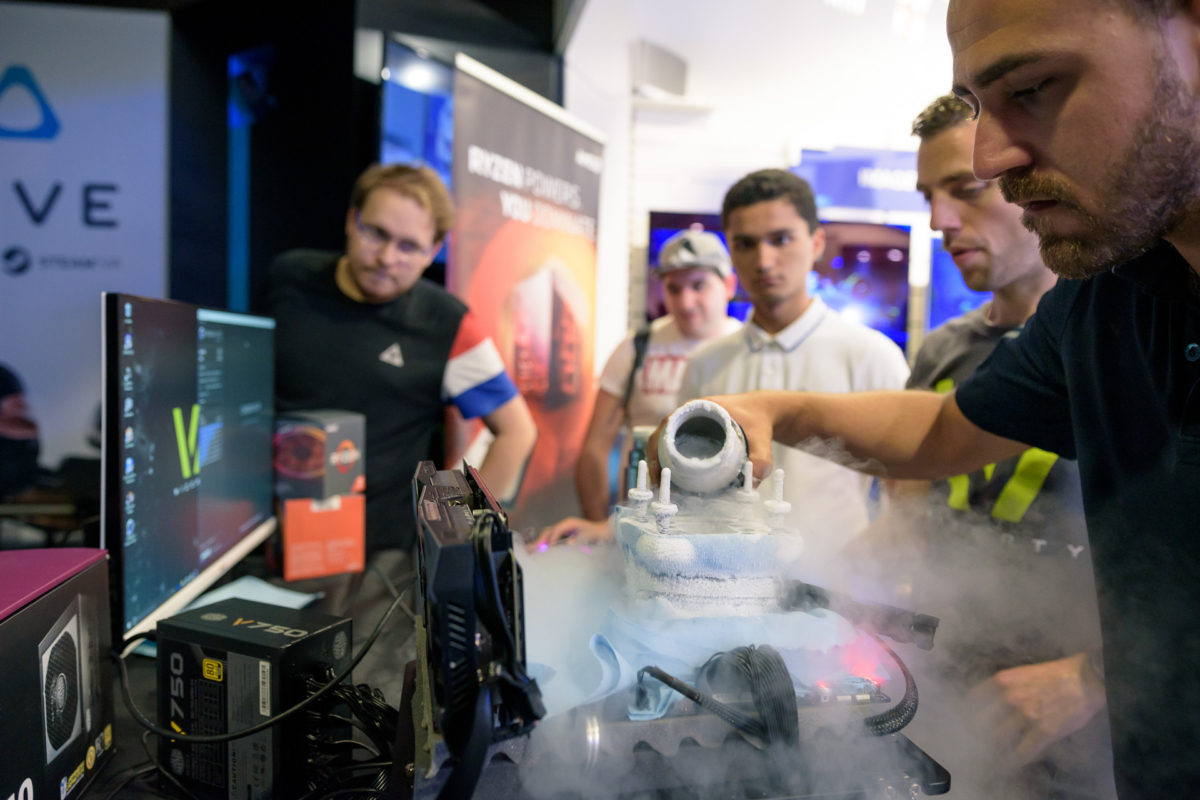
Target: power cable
x,y
264,725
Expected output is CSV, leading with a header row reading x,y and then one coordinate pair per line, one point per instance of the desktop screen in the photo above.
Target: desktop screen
x,y
189,415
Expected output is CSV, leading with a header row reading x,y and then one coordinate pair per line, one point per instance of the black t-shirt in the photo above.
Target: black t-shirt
x,y
384,361
18,457
1008,541
1108,371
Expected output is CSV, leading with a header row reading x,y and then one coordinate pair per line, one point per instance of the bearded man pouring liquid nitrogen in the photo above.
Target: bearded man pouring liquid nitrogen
x,y
1089,118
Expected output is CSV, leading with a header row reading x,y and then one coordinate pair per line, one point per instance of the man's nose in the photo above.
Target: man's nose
x,y
391,254
688,299
997,150
767,254
943,215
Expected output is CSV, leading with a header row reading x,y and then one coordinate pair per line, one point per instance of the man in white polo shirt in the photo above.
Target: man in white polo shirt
x,y
794,342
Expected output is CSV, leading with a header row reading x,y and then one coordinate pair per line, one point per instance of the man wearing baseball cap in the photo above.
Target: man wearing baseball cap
x,y
640,382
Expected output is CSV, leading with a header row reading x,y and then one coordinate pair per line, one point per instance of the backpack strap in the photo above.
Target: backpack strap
x,y
640,340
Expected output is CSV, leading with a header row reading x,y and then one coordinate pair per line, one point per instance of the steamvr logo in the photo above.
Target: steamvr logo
x,y
186,438
16,260
15,117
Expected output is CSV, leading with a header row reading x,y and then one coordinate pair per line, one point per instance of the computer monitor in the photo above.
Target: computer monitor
x,y
186,482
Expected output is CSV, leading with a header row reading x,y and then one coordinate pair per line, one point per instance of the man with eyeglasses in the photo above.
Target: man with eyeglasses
x,y
363,331
793,341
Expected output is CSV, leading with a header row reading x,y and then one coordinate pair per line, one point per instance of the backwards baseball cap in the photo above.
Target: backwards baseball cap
x,y
692,249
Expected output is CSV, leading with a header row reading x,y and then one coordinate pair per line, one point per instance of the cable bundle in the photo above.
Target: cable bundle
x,y
331,761
762,669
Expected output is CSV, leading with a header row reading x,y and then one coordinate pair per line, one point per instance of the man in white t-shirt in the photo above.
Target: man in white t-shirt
x,y
794,342
697,282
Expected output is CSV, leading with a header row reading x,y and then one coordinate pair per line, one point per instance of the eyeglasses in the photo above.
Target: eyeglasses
x,y
377,238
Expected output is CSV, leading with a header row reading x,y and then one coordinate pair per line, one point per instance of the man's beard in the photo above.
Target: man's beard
x,y
1145,197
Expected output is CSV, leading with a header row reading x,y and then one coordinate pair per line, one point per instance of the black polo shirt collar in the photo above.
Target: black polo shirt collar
x,y
1162,273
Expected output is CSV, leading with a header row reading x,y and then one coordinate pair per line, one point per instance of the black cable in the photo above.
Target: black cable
x,y
895,718
162,770
349,745
731,715
773,692
262,726
343,792
387,583
133,775
320,785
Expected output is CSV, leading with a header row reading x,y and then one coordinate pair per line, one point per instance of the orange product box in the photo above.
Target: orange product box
x,y
324,537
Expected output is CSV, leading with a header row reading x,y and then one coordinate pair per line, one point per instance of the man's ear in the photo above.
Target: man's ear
x,y
730,286
818,240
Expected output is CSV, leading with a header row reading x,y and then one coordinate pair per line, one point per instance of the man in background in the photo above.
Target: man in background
x,y
1006,563
697,283
18,437
640,383
363,331
793,341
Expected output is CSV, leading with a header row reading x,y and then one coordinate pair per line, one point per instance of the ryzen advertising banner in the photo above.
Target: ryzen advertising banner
x,y
83,196
523,258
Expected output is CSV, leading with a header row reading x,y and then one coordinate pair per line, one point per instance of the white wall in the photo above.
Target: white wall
x,y
596,89
778,75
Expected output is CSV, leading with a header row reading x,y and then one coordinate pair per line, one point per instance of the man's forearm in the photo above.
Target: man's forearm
x,y
591,481
505,461
914,435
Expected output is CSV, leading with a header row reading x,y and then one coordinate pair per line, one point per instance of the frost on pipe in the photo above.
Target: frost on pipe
x,y
703,447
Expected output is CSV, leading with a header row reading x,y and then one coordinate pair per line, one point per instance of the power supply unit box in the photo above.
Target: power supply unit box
x,y
56,682
231,665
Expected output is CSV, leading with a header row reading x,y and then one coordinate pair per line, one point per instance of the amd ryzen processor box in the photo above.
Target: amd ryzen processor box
x,y
319,454
56,699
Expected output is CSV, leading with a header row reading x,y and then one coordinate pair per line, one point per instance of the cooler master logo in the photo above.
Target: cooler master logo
x,y
15,79
189,453
345,456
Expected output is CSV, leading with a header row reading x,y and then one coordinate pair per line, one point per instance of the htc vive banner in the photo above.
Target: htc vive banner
x,y
523,257
83,196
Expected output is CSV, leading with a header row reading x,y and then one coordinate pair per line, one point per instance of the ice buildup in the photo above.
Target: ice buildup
x,y
703,447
